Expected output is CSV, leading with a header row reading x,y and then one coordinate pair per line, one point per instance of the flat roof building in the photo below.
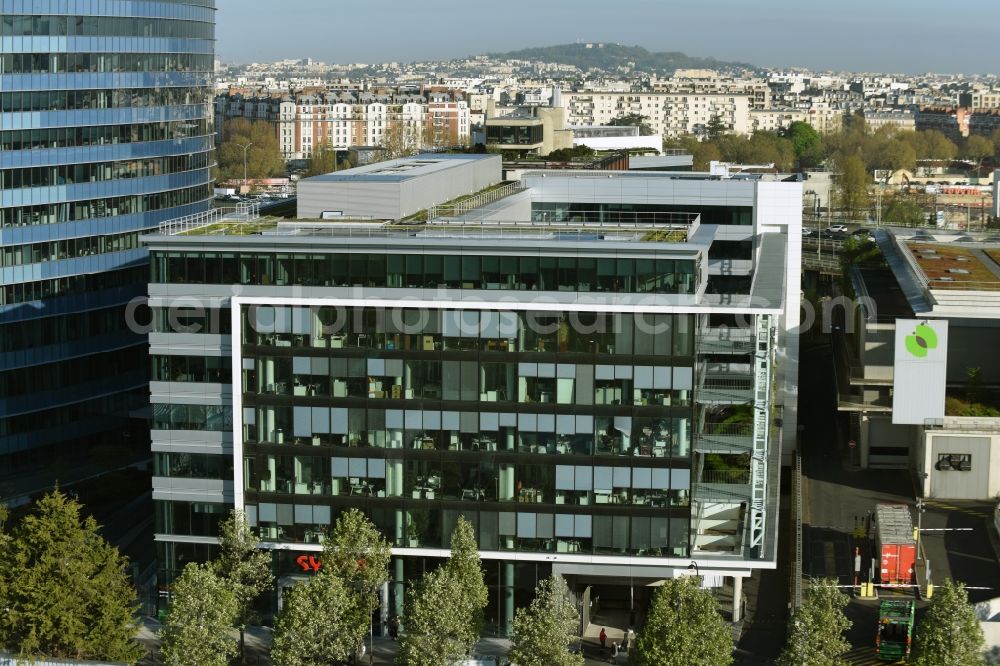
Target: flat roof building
x,y
396,189
951,283
585,369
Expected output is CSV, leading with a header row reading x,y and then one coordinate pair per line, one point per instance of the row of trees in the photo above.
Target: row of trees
x,y
948,635
66,594
801,146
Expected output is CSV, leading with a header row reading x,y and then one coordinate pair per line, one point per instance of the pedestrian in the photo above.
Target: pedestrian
x,y
630,641
394,627
604,638
614,653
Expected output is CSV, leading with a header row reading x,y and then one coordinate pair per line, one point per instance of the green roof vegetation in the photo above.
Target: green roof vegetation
x,y
234,227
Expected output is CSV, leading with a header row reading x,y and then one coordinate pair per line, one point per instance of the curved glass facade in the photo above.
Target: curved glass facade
x,y
105,132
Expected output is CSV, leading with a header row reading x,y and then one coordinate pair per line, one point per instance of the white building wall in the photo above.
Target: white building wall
x,y
981,482
779,206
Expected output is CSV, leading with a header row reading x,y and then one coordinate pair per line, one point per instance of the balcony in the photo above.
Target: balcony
x,y
728,388
730,438
725,341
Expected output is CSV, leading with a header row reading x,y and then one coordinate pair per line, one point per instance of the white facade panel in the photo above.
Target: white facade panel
x,y
921,369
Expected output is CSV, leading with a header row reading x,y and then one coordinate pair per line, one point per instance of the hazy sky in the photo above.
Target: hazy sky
x,y
857,35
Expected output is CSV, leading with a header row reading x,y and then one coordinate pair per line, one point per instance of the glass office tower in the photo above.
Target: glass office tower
x,y
581,369
105,132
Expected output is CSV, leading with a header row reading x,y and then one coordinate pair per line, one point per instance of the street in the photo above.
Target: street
x,y
838,499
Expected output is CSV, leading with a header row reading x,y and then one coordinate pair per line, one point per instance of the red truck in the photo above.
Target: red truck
x,y
894,542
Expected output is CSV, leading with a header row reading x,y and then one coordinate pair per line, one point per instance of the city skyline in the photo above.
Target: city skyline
x,y
881,38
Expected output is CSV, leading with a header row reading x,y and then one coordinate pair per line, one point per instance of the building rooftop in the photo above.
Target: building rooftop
x,y
275,228
402,169
944,274
948,266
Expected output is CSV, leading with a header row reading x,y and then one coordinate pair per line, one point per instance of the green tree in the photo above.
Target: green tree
x,y
684,628
198,629
65,590
977,148
634,120
317,623
816,630
806,143
400,139
545,629
904,211
244,566
715,127
356,552
949,634
323,160
434,634
936,146
466,566
445,614
703,153
852,186
263,157
899,155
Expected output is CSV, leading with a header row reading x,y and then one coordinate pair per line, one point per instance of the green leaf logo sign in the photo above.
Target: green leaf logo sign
x,y
922,341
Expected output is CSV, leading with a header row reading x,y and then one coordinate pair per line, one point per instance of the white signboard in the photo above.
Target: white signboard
x,y
921,367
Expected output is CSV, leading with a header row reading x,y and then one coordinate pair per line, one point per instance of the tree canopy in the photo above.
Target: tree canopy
x,y
243,566
400,139
545,629
683,628
317,623
263,157
357,553
198,629
64,590
816,630
977,148
852,185
445,611
949,634
323,160
326,618
634,120
806,143
905,211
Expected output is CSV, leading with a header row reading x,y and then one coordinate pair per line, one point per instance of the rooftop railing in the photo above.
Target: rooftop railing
x,y
474,202
243,212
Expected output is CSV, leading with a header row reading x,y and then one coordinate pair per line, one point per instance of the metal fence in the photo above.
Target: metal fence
x,y
474,202
242,212
797,527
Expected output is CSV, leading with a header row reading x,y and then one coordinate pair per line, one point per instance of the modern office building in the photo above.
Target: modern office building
x,y
945,426
105,132
591,370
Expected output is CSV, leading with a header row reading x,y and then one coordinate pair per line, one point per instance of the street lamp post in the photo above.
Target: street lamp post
x,y
245,147
694,566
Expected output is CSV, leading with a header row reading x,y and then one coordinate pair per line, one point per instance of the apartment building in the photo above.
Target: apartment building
x,y
306,120
669,114
709,82
590,368
901,120
982,99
